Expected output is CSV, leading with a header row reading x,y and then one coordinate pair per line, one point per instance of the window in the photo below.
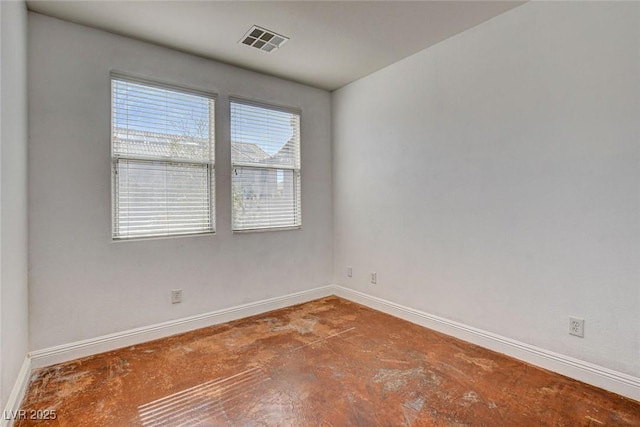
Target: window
x,y
265,152
162,144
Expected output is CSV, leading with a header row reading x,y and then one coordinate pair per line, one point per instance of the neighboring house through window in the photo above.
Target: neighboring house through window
x,y
162,141
265,155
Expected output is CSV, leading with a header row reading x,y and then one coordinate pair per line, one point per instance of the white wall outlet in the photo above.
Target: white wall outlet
x,y
576,327
176,296
374,277
349,272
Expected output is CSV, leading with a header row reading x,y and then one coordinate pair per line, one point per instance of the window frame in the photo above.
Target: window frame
x,y
167,161
297,171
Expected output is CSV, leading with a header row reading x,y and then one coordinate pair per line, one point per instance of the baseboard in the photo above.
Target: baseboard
x,y
17,394
608,379
66,352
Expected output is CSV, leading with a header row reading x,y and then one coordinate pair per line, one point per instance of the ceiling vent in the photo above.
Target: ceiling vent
x,y
263,39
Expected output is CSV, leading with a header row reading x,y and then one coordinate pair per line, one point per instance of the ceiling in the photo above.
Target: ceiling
x,y
332,43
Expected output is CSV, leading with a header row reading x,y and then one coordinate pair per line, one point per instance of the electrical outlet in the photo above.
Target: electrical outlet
x,y
576,327
349,272
176,296
374,277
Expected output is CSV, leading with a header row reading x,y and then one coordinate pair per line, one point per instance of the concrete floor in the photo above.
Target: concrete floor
x,y
328,362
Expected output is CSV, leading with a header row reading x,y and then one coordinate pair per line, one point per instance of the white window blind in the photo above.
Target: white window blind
x,y
265,153
163,147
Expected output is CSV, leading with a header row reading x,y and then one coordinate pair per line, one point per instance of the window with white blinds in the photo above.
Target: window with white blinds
x,y
265,155
163,145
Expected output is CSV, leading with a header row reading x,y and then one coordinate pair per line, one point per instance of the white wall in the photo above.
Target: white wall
x,y
83,285
13,193
494,179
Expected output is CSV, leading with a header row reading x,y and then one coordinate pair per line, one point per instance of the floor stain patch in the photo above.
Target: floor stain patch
x,y
486,365
469,398
396,379
302,326
415,404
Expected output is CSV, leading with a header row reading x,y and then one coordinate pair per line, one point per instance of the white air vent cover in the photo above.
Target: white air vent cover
x,y
263,39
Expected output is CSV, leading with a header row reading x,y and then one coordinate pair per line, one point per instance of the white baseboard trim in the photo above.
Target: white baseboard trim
x,y
66,352
608,379
17,394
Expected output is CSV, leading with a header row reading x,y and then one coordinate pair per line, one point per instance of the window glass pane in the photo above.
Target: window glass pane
x,y
261,136
161,198
150,121
265,198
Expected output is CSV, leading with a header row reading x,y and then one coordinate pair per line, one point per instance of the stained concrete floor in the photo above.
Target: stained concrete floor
x,y
328,362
